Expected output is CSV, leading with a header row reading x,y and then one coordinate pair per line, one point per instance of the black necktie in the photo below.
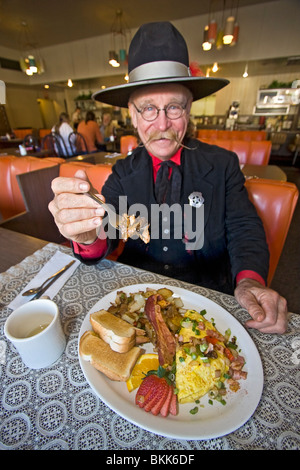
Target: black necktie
x,y
168,190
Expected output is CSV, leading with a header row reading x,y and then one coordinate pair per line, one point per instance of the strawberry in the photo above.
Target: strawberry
x,y
173,405
156,393
145,390
164,411
157,401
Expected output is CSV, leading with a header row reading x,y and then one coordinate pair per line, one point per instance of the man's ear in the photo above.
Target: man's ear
x,y
132,113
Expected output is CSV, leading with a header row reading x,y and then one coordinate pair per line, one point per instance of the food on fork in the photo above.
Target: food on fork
x,y
116,366
131,226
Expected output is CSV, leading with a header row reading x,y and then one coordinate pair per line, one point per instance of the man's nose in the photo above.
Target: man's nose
x,y
162,121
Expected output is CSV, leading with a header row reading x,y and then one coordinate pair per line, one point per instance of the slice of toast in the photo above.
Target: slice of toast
x,y
116,366
118,333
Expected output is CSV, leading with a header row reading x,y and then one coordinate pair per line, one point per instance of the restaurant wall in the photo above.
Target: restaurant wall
x,y
23,106
245,91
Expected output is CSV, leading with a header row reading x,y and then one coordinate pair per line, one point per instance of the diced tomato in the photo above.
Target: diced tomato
x,y
229,354
210,339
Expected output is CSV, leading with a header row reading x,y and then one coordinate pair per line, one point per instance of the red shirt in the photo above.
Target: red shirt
x,y
98,248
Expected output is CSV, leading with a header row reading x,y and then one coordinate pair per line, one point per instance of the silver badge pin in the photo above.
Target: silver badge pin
x,y
196,199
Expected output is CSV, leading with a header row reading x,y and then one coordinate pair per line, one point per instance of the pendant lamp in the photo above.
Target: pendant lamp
x,y
206,45
228,30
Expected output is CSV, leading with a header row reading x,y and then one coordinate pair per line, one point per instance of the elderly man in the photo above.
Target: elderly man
x,y
170,170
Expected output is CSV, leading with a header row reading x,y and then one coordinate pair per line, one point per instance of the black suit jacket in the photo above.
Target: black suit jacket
x,y
234,238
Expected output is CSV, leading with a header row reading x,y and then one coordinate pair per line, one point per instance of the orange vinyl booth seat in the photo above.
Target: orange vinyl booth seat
x,y
231,135
11,200
97,174
21,133
43,133
275,202
128,143
249,152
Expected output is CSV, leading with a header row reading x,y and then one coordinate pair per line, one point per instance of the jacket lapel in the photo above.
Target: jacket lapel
x,y
195,171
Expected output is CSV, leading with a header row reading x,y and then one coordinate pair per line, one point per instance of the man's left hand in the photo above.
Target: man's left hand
x,y
266,307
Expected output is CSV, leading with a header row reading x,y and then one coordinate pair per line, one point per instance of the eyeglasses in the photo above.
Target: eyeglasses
x,y
150,112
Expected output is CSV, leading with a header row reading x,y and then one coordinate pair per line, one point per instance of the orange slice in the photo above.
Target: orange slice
x,y
145,363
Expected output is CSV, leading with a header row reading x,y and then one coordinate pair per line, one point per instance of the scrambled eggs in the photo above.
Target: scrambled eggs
x,y
200,360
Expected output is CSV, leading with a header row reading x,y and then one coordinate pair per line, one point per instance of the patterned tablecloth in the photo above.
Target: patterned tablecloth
x,y
55,408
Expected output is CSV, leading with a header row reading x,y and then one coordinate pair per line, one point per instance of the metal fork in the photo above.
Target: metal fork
x,y
114,218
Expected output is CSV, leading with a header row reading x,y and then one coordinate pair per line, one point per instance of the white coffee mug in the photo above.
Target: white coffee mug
x,y
36,332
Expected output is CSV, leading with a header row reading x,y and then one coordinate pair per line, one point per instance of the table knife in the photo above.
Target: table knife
x,y
42,291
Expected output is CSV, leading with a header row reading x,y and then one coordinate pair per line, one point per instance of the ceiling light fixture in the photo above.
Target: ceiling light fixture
x,y
212,26
226,35
245,74
70,83
120,38
228,31
30,61
215,67
236,28
206,45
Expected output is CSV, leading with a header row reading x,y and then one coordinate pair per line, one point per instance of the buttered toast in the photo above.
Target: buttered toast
x,y
116,366
119,334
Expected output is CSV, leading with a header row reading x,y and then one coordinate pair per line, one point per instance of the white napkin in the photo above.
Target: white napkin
x,y
112,155
58,261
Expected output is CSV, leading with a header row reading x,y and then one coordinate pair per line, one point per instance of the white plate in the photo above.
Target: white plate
x,y
211,421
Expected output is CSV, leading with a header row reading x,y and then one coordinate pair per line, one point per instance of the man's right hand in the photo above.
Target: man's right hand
x,y
77,216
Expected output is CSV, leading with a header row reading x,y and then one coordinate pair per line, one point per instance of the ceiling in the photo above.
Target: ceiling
x,y
53,22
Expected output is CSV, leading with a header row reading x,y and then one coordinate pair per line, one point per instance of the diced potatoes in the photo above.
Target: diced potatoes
x,y
137,303
165,293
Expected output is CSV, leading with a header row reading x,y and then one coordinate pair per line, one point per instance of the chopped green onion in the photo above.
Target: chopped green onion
x,y
194,410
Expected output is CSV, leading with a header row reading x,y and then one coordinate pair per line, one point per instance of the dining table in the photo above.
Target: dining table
x,y
57,408
272,172
39,153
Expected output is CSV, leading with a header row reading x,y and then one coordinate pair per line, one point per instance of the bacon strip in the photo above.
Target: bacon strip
x,y
165,340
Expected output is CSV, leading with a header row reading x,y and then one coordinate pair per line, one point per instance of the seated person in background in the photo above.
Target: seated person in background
x,y
64,129
168,171
107,127
76,117
90,131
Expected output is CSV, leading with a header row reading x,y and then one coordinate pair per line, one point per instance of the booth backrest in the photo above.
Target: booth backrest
x,y
251,152
43,133
97,174
21,133
231,135
11,200
128,143
275,202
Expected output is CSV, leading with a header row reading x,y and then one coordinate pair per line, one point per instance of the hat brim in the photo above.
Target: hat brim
x,y
199,86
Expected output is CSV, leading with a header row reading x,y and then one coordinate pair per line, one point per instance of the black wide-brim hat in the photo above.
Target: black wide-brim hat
x,y
158,54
